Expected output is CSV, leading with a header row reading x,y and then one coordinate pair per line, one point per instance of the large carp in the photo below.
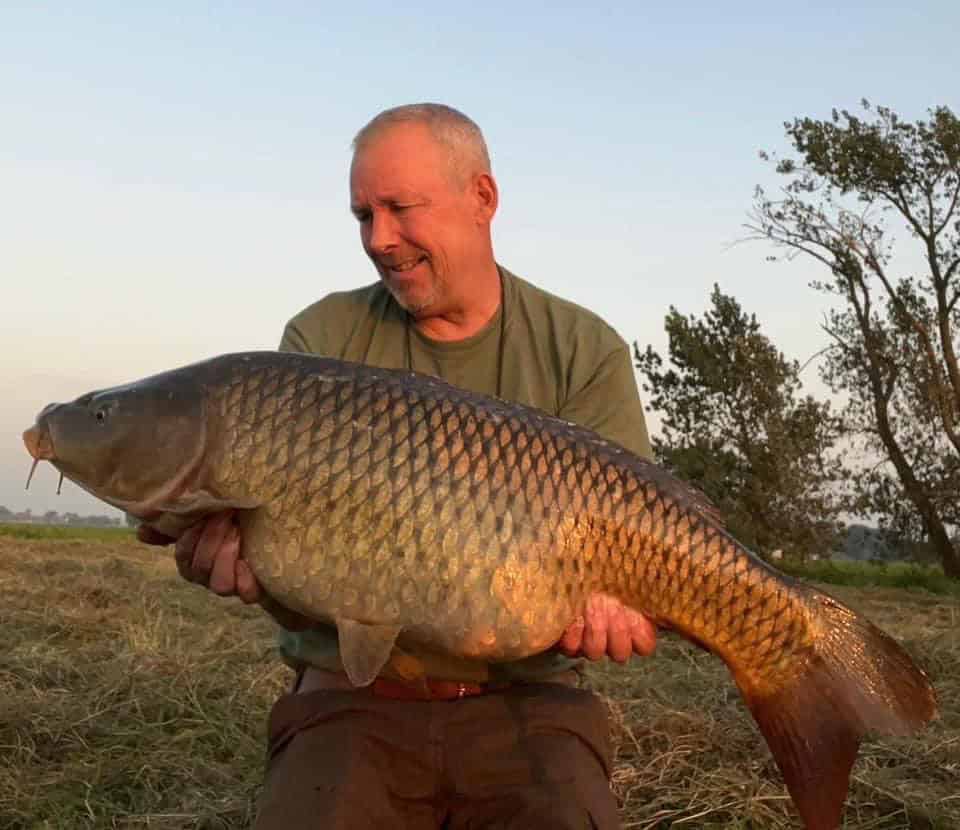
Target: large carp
x,y
409,512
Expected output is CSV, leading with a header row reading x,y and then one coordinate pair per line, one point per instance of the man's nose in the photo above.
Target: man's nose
x,y
383,232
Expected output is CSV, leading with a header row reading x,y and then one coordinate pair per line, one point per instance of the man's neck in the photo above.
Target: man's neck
x,y
467,316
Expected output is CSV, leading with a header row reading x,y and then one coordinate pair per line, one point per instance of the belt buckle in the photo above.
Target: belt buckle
x,y
461,690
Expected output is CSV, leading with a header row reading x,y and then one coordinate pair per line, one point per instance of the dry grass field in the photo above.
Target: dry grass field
x,y
129,699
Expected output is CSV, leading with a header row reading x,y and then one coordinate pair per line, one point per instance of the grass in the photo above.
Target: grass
x,y
130,699
76,532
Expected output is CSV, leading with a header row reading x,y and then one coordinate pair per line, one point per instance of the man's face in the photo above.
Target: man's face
x,y
419,226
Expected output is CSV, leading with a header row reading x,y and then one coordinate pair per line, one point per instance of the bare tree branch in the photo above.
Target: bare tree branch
x,y
948,214
893,342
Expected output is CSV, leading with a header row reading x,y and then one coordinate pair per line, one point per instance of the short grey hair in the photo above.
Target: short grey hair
x,y
448,126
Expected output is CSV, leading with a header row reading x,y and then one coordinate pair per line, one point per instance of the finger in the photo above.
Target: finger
x,y
248,589
183,552
572,638
594,644
211,540
619,635
643,633
149,536
223,574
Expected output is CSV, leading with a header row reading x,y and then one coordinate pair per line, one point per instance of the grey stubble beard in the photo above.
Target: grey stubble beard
x,y
409,307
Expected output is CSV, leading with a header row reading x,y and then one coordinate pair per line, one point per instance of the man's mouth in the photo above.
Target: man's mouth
x,y
403,267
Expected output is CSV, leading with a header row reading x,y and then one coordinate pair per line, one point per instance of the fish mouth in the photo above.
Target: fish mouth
x,y
39,443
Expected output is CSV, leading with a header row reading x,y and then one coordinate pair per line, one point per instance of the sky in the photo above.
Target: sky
x,y
173,177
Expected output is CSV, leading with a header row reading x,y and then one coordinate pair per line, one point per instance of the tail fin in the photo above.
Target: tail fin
x,y
857,680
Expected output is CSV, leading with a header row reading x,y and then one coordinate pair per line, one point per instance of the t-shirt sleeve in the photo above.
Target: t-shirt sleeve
x,y
321,329
609,403
293,339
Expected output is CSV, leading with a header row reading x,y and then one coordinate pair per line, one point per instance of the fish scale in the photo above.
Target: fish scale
x,y
414,515
420,475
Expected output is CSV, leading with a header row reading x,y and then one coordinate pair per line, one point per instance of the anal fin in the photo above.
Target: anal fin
x,y
365,649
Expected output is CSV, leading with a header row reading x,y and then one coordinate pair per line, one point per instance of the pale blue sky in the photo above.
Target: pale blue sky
x,y
173,178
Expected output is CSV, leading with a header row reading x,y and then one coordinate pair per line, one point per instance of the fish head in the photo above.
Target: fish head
x,y
133,446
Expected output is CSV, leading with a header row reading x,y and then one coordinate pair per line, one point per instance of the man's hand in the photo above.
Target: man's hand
x,y
609,629
208,554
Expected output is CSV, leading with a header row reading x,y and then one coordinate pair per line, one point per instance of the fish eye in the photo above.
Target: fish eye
x,y
101,415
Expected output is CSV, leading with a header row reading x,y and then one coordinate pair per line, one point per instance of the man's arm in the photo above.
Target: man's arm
x,y
608,403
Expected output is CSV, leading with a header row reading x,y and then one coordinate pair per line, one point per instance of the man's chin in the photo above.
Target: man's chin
x,y
414,302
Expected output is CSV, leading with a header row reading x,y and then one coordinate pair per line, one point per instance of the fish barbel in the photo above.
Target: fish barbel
x,y
408,512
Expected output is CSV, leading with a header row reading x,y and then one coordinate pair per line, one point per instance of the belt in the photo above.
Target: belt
x,y
312,679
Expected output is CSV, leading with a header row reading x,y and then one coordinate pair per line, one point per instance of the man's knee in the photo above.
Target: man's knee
x,y
548,812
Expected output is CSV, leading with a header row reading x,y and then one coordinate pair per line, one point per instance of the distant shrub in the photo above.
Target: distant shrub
x,y
874,574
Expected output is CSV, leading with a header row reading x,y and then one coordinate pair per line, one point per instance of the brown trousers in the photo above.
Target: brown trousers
x,y
529,756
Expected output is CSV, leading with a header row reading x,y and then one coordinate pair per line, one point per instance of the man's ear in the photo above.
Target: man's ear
x,y
486,196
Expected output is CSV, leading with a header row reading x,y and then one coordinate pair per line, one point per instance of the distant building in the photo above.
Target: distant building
x,y
52,517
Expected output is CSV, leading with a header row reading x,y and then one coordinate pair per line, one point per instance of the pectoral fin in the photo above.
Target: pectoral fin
x,y
365,649
407,666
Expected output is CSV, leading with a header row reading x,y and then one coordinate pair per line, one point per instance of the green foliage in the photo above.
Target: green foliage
x,y
734,424
893,353
907,575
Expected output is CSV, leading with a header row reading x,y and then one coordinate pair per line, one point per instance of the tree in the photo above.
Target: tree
x,y
734,426
894,327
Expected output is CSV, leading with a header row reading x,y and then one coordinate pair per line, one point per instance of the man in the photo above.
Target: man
x,y
437,741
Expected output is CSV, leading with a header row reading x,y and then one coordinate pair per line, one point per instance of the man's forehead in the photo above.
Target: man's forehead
x,y
396,182
391,178
384,195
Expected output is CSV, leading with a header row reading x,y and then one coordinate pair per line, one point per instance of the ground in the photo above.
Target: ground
x,y
130,699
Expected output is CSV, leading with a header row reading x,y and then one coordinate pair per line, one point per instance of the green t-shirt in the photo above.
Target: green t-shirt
x,y
538,350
